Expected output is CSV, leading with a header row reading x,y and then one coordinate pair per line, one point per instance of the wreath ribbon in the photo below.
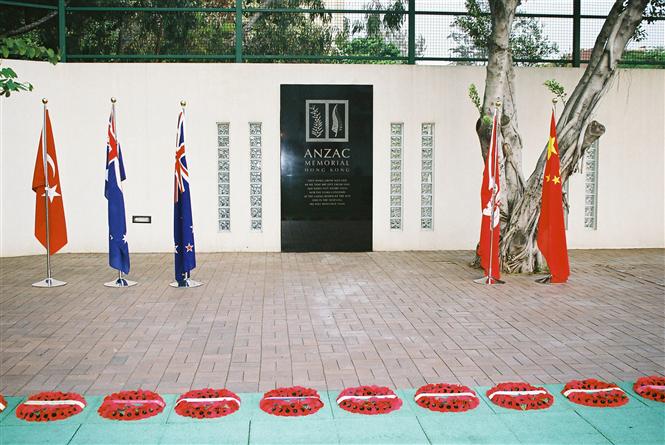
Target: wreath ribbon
x,y
135,402
656,387
385,396
591,391
292,397
517,393
208,400
53,403
444,394
2,406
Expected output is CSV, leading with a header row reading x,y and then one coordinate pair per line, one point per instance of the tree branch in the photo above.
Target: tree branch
x,y
30,26
256,16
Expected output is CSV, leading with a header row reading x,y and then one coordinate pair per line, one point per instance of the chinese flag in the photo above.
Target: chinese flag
x,y
48,193
551,229
490,230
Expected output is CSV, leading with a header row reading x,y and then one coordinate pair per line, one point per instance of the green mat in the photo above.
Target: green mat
x,y
639,422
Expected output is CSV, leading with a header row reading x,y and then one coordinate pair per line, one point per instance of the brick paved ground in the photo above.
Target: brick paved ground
x,y
326,320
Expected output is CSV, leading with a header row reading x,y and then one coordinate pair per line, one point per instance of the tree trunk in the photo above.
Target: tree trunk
x,y
575,130
498,64
512,185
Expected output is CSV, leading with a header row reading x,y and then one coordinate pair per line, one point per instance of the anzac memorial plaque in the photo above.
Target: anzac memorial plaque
x,y
326,168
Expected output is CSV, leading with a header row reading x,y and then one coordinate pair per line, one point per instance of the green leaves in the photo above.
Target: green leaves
x,y
394,19
374,36
26,49
472,34
9,84
556,88
8,73
475,98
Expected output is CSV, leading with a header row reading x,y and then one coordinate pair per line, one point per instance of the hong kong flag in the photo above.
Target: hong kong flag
x,y
490,230
551,229
48,193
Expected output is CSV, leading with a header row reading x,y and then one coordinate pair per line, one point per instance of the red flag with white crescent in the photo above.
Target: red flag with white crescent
x,y
47,186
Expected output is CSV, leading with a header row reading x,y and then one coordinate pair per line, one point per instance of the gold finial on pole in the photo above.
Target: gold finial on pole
x,y
44,100
113,100
498,103
555,100
183,103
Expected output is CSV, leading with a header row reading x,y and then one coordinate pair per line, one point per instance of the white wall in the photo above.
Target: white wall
x,y
630,203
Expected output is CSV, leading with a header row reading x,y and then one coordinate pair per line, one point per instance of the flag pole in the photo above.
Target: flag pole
x,y
493,161
187,282
46,185
120,281
115,131
492,176
48,281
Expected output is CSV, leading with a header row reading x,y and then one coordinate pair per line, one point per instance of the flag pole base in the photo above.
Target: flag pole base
x,y
488,280
49,282
120,282
186,283
546,280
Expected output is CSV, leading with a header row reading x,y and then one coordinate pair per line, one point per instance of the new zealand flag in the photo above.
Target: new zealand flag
x,y
183,227
115,174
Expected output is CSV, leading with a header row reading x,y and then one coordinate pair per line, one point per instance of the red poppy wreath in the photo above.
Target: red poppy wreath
x,y
592,392
520,396
3,403
131,405
369,400
652,387
207,403
294,401
444,397
50,406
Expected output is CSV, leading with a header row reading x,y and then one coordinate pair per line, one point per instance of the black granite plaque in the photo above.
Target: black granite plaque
x,y
326,167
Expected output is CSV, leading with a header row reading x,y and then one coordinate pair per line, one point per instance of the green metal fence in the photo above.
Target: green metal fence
x,y
334,31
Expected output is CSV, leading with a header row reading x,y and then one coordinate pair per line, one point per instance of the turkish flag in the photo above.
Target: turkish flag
x,y
551,228
490,230
48,193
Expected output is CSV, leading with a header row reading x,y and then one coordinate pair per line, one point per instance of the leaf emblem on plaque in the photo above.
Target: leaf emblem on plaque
x,y
336,125
317,127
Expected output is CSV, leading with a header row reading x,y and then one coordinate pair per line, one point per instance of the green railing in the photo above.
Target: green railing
x,y
367,31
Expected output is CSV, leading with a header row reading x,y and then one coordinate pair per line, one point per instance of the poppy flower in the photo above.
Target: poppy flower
x,y
651,387
592,392
520,396
294,401
442,397
131,405
207,403
50,406
369,400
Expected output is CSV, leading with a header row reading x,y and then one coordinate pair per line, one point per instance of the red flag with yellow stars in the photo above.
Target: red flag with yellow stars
x,y
551,228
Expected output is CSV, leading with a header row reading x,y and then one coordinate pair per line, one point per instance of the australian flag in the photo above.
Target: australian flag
x,y
183,227
115,174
